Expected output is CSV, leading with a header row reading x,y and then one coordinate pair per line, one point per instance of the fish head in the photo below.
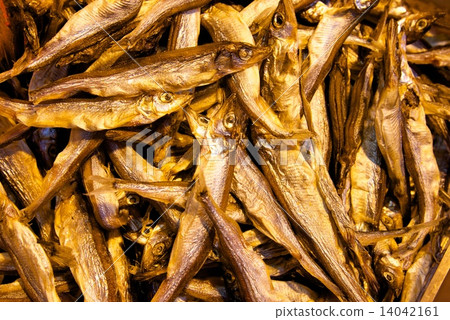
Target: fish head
x,y
417,24
391,216
162,103
46,141
197,122
239,56
284,21
157,247
391,270
227,120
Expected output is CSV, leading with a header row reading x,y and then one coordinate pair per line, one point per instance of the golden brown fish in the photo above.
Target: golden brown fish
x,y
105,205
95,114
224,23
251,273
120,262
92,263
195,233
388,124
331,32
170,71
84,28
29,257
20,169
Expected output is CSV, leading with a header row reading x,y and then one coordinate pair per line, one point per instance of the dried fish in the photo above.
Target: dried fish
x,y
95,115
170,71
83,29
197,150
91,268
28,256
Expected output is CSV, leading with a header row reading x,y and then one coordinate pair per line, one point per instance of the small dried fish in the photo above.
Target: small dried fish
x,y
84,28
91,268
97,114
170,71
28,256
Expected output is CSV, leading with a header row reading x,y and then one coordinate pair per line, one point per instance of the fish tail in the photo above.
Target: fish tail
x,y
302,134
262,112
63,255
107,185
4,76
365,261
10,109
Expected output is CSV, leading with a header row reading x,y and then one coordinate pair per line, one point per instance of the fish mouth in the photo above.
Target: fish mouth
x,y
259,54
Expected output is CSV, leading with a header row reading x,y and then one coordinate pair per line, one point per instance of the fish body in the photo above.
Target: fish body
x,y
388,124
28,256
92,262
105,205
252,276
20,169
267,215
296,187
85,27
121,264
281,79
170,71
195,233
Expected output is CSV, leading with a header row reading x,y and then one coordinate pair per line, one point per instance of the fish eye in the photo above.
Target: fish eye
x,y
229,120
203,120
387,221
245,53
132,199
158,249
166,97
229,277
362,4
422,24
278,20
52,151
388,276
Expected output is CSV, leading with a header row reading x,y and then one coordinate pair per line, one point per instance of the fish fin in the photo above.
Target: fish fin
x,y
365,263
107,185
302,134
63,256
18,132
201,185
376,236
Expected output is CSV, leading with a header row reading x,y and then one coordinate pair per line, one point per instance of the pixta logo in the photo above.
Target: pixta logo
x,y
141,149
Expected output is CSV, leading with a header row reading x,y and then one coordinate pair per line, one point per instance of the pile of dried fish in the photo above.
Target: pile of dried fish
x,y
195,150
